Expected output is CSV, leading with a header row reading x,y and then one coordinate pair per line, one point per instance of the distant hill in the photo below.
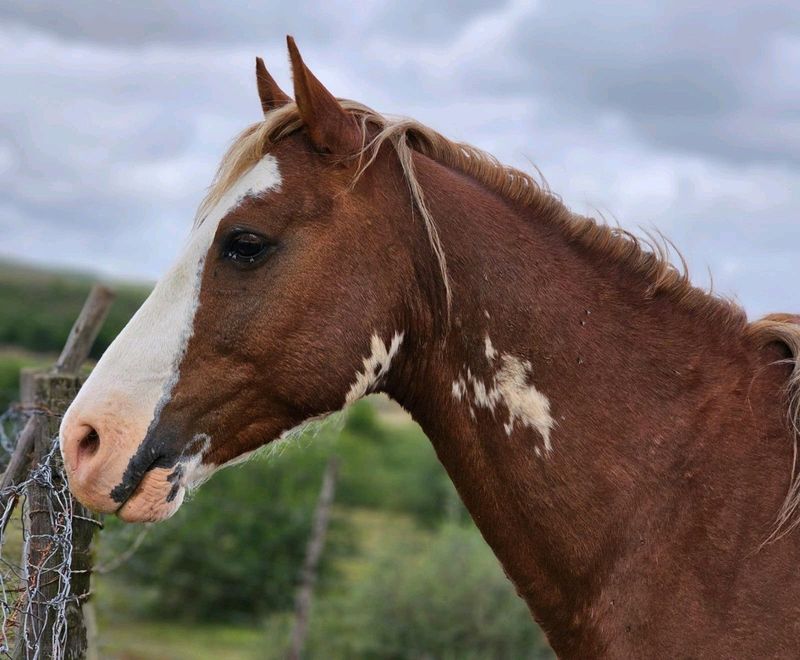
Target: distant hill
x,y
38,306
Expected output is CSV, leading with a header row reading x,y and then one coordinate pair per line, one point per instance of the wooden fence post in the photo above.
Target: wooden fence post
x,y
44,556
48,394
316,544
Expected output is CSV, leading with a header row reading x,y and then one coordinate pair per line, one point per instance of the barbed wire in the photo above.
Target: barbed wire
x,y
11,571
35,587
11,423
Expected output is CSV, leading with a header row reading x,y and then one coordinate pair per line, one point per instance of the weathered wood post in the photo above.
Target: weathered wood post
x,y
47,518
49,393
316,544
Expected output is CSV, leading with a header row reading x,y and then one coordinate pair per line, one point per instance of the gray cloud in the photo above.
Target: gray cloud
x,y
704,77
116,22
684,116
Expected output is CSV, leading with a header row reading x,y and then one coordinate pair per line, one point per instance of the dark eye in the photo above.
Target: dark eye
x,y
246,247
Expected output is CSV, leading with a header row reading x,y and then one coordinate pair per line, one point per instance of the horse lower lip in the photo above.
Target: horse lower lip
x,y
129,495
124,492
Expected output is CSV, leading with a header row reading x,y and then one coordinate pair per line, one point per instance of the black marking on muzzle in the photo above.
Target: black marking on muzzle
x,y
155,452
174,478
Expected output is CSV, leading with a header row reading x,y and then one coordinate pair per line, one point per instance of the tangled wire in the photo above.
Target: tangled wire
x,y
36,580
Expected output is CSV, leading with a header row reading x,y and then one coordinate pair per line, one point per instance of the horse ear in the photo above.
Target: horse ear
x,y
271,95
330,127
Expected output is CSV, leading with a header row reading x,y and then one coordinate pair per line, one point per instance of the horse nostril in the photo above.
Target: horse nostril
x,y
88,445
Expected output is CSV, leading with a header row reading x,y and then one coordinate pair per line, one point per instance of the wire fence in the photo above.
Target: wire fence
x,y
45,535
35,602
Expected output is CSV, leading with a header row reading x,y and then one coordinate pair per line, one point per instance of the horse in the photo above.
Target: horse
x,y
625,442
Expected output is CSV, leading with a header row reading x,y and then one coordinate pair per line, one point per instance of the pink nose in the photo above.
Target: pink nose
x,y
88,442
89,464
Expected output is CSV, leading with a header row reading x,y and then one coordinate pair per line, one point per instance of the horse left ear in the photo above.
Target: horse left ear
x,y
270,94
330,127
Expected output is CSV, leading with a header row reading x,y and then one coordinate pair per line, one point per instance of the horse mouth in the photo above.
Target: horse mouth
x,y
155,498
148,477
154,485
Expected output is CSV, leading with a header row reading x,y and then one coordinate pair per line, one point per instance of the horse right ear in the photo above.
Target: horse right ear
x,y
270,94
331,128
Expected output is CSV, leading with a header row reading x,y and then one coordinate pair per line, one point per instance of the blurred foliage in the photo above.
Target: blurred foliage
x,y
393,467
234,552
245,531
39,307
12,361
440,596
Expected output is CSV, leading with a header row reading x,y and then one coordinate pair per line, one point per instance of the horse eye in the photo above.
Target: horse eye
x,y
246,247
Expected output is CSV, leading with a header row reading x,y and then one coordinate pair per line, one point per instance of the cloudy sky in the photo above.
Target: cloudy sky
x,y
681,116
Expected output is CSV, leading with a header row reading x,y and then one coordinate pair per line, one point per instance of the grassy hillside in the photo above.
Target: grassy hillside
x,y
37,310
38,307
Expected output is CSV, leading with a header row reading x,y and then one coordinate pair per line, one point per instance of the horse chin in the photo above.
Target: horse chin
x,y
156,498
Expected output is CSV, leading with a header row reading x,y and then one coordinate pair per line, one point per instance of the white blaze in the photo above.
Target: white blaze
x,y
140,369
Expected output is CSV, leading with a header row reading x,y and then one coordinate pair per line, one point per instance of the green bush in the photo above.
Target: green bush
x,y
234,551
442,598
393,468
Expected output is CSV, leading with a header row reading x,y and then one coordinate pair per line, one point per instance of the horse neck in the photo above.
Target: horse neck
x,y
538,318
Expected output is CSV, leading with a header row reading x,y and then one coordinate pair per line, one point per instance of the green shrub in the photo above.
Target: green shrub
x,y
393,468
232,553
447,598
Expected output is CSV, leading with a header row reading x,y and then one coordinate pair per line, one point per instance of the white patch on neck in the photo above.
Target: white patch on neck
x,y
459,389
491,354
141,367
190,470
524,402
510,386
376,366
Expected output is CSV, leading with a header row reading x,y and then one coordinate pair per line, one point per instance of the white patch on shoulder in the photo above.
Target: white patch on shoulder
x,y
140,368
510,386
376,366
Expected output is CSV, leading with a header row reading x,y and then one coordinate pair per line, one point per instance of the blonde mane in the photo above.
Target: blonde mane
x,y
785,329
648,258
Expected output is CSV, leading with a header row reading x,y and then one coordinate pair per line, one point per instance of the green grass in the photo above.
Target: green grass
x,y
139,640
